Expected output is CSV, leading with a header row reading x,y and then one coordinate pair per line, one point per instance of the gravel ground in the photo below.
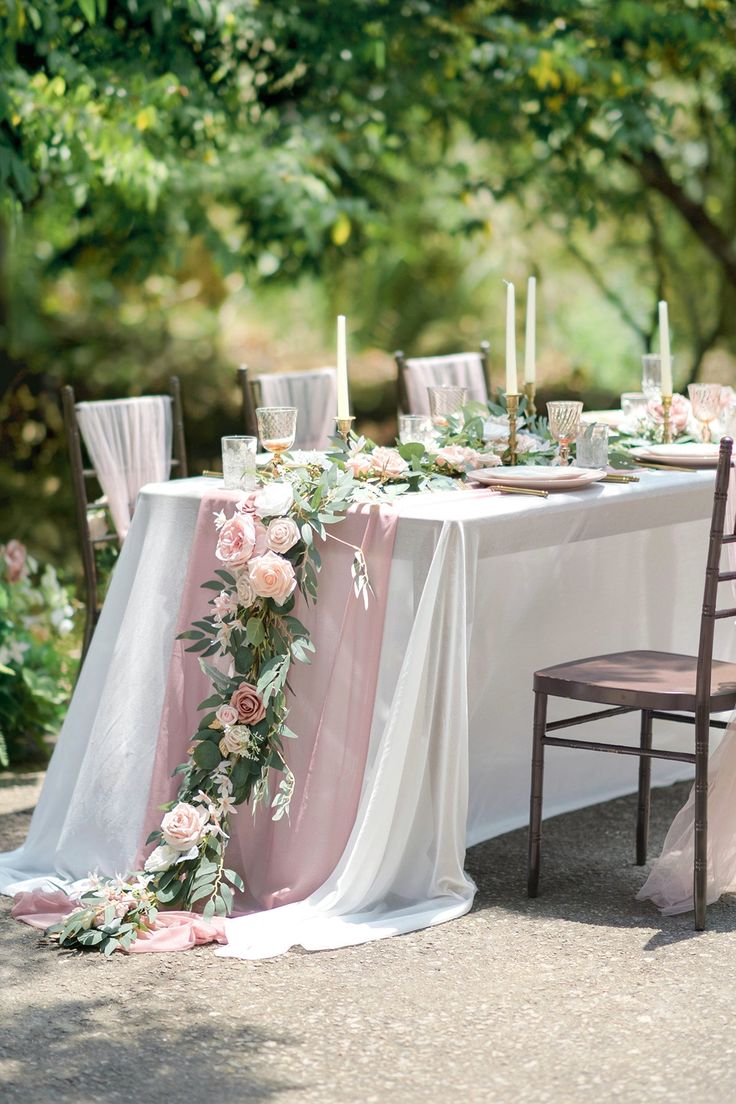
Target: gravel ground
x,y
582,994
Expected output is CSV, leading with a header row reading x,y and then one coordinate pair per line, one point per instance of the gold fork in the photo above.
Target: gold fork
x,y
504,488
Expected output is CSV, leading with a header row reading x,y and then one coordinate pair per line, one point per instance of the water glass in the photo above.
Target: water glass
x,y
651,375
634,404
706,403
564,423
591,446
276,428
445,399
416,428
239,463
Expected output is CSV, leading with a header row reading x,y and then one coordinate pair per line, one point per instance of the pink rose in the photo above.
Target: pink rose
x,y
246,594
679,412
248,704
282,534
227,714
241,537
271,576
15,560
183,827
387,463
457,458
359,463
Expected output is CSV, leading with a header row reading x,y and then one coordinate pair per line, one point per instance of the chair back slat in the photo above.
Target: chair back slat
x,y
313,393
80,474
415,374
712,575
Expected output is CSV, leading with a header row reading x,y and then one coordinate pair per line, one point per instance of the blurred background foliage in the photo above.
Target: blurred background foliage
x,y
186,185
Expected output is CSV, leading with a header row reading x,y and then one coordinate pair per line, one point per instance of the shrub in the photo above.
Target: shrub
x,y
38,655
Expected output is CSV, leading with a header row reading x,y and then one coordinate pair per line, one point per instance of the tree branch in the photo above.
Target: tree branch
x,y
653,172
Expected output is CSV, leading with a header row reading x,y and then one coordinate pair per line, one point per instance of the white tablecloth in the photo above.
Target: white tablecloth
x,y
482,592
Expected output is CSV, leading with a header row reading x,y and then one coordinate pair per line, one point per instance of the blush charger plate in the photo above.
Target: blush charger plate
x,y
690,454
543,479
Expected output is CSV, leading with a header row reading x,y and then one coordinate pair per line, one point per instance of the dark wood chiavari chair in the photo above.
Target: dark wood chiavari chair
x,y
249,401
402,362
82,474
659,685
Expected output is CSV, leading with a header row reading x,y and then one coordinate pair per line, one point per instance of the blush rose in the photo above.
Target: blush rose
x,y
227,714
282,534
241,537
388,463
183,827
271,576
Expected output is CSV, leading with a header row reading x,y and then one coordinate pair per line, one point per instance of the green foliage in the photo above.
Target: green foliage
x,y
37,659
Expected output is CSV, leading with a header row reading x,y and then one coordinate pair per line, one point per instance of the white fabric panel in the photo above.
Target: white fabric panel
x,y
313,393
483,590
458,369
129,444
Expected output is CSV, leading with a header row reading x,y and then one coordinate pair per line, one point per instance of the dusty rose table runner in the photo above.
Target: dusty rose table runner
x,y
331,712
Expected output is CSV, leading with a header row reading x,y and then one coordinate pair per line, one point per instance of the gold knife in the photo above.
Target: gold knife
x,y
663,467
504,488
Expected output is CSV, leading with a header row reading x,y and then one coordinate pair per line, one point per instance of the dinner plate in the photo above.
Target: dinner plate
x,y
584,477
520,473
691,454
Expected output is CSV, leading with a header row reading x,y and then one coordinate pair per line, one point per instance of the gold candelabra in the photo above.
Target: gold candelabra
x,y
530,390
667,419
512,407
344,426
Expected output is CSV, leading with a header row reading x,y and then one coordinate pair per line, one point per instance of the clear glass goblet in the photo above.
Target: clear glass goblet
x,y
276,429
564,423
706,403
445,399
416,428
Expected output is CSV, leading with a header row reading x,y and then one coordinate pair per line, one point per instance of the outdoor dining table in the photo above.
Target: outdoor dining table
x,y
482,590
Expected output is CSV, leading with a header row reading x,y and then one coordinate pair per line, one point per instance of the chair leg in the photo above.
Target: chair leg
x,y
645,777
700,874
535,805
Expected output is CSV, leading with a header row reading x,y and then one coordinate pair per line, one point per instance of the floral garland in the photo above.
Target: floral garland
x,y
267,548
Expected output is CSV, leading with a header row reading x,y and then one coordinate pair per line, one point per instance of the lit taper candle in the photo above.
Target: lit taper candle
x,y
664,349
530,345
511,382
343,397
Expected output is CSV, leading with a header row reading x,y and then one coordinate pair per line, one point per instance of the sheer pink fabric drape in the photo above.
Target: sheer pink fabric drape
x,y
313,393
670,883
457,369
129,444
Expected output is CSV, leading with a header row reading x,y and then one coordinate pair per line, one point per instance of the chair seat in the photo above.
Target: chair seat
x,y
644,680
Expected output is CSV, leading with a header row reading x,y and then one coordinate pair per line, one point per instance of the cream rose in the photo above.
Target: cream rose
x,y
248,703
162,858
184,826
245,592
14,554
271,576
387,463
235,741
457,458
241,537
227,714
282,534
273,500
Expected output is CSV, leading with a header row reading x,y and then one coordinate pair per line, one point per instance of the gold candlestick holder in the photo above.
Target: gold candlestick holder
x,y
344,425
530,390
667,419
512,408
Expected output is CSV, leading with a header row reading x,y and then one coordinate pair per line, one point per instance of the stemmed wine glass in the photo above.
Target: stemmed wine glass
x,y
564,422
706,404
276,429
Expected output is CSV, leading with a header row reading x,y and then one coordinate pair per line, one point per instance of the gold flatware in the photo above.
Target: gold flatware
x,y
212,475
619,477
504,488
